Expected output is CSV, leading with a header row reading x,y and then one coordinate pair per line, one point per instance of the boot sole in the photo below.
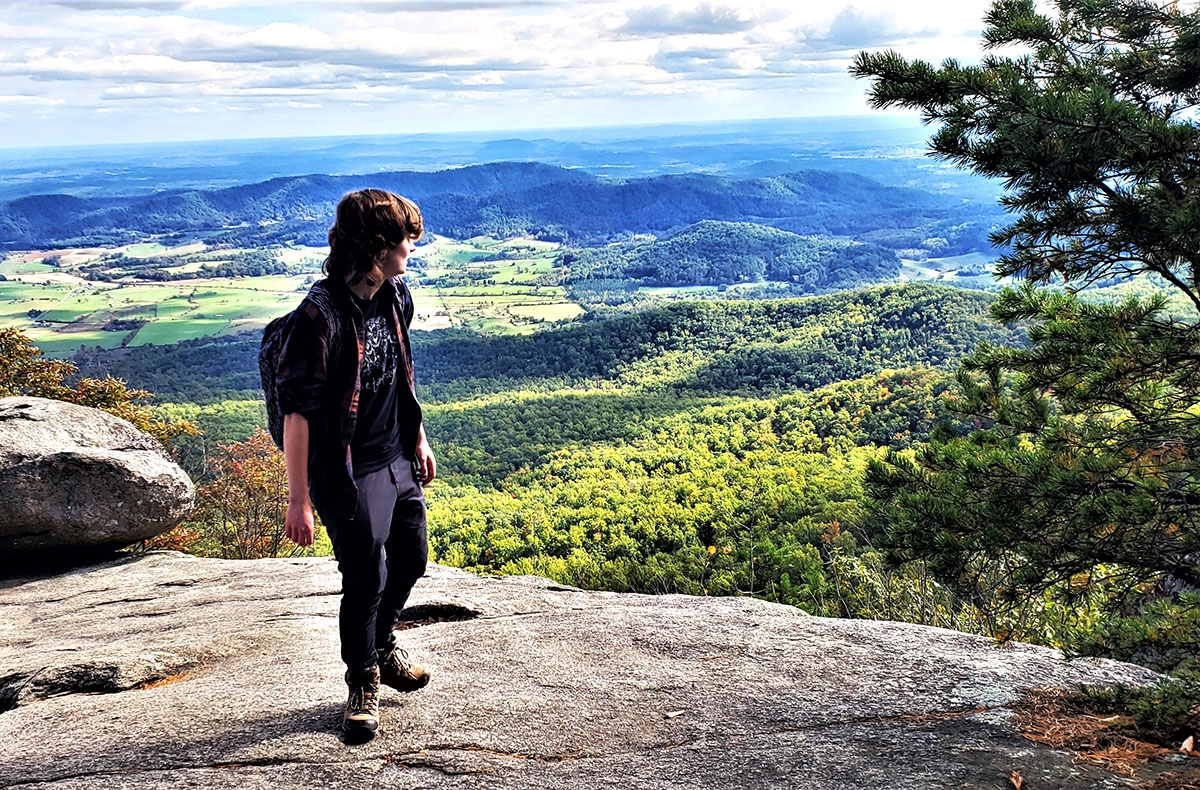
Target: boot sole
x,y
359,731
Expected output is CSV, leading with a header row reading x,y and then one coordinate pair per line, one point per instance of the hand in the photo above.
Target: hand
x,y
298,525
426,464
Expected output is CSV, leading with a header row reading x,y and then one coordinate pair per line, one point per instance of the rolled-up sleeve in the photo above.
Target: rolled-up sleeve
x,y
303,368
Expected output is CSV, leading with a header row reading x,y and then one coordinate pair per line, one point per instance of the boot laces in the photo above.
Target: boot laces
x,y
362,698
398,657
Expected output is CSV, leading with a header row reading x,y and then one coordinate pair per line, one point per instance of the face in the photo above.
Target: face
x,y
394,262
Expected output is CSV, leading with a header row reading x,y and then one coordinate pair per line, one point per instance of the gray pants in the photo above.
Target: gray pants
x,y
381,552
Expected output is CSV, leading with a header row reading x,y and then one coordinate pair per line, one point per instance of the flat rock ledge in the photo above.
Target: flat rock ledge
x,y
169,671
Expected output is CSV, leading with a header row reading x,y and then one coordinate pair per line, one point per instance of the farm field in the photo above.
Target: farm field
x,y
484,284
151,293
489,285
62,316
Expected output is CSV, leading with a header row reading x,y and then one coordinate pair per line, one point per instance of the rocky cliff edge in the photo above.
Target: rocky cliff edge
x,y
168,671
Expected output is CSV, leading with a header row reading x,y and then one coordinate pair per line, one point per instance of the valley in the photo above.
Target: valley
x,y
661,382
488,285
150,293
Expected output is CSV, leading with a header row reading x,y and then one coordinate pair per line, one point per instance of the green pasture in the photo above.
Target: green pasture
x,y
151,249
173,311
956,262
480,242
943,268
294,256
530,274
499,296
551,311
447,259
493,291
61,343
17,299
164,333
493,300
491,324
442,252
13,266
443,256
145,250
186,268
280,283
534,245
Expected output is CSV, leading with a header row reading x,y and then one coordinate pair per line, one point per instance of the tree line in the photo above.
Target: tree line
x,y
695,347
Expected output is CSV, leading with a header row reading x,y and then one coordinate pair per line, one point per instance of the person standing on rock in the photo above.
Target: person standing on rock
x,y
353,440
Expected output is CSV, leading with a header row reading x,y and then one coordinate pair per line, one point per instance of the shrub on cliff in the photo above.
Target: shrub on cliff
x,y
24,371
240,514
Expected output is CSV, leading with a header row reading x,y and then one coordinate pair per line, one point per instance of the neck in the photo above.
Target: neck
x,y
364,287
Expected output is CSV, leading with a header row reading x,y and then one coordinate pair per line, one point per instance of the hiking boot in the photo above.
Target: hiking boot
x,y
398,672
361,719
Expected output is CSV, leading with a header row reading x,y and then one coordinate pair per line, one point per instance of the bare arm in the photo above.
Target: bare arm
x,y
299,521
425,460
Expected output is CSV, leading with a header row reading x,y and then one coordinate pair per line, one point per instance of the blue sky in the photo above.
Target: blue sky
x,y
82,72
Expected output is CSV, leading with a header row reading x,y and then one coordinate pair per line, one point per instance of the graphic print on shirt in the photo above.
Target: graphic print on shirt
x,y
381,355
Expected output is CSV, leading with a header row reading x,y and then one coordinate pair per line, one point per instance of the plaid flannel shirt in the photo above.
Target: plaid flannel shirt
x,y
318,374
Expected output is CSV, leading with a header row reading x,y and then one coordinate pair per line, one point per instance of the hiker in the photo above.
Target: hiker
x,y
353,441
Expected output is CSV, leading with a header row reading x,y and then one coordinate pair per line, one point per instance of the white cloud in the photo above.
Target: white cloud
x,y
561,61
30,101
854,28
455,6
705,17
486,78
111,5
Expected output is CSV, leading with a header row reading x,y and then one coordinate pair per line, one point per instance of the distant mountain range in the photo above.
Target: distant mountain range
x,y
884,147
508,199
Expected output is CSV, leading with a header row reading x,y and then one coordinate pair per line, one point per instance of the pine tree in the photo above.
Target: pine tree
x,y
1081,486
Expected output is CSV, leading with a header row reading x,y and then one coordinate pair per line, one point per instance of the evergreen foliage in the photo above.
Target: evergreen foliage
x,y
1092,130
1083,480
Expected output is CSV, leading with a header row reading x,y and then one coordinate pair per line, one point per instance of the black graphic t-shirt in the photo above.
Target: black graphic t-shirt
x,y
376,439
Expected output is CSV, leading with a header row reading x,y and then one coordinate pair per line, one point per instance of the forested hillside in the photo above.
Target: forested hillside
x,y
725,253
710,447
510,199
695,347
756,496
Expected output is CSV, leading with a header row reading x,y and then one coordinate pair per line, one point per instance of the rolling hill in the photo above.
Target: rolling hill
x,y
511,199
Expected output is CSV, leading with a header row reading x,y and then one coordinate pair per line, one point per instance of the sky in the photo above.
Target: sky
x,y
86,72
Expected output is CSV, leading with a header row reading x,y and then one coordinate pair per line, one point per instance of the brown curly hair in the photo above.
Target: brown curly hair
x,y
368,222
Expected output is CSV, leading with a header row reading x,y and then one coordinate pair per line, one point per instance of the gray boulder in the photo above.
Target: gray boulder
x,y
176,672
74,479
